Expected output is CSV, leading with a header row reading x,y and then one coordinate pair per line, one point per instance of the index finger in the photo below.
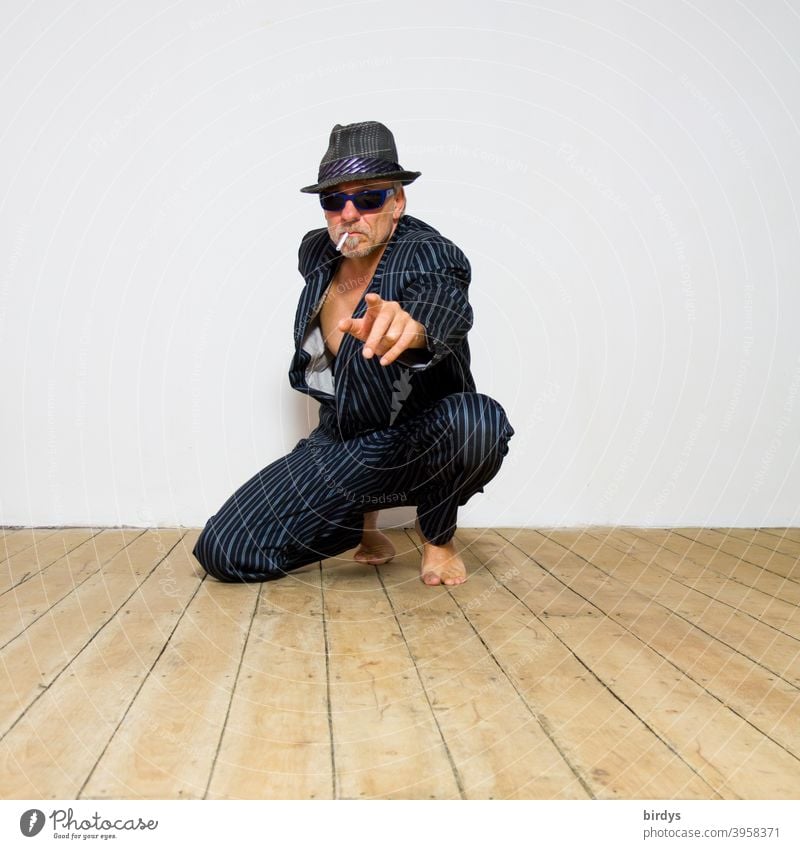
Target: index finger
x,y
374,303
383,321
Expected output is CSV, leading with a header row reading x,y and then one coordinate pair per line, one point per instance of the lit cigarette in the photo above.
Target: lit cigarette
x,y
341,241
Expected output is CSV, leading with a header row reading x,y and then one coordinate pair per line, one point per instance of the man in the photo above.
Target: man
x,y
380,341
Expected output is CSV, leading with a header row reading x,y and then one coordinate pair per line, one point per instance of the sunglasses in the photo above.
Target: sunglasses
x,y
367,200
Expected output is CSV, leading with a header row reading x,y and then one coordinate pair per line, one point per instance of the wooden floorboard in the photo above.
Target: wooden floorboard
x,y
276,743
760,710
712,545
691,569
41,653
166,744
721,573
498,746
659,572
574,663
25,561
726,673
615,750
387,742
783,533
53,748
769,537
15,541
44,589
773,542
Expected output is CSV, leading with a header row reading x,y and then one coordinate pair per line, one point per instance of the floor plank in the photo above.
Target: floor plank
x,y
26,602
15,540
725,749
89,699
783,533
704,569
496,742
387,743
32,560
276,743
769,534
34,659
185,698
608,745
604,662
728,569
660,574
711,545
736,681
783,545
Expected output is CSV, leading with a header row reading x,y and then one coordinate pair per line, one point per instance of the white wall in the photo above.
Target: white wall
x,y
622,176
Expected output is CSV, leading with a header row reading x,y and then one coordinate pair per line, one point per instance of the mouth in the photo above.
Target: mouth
x,y
346,238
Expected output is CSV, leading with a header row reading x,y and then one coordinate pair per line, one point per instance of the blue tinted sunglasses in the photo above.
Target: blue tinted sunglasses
x,y
367,200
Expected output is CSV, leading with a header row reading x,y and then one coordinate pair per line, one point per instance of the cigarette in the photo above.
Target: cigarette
x,y
341,241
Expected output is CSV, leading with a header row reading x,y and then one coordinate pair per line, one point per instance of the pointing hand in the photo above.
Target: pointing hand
x,y
386,329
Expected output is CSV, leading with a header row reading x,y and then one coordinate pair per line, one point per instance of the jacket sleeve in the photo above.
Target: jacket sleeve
x,y
438,300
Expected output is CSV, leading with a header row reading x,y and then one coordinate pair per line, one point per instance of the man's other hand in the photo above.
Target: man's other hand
x,y
386,329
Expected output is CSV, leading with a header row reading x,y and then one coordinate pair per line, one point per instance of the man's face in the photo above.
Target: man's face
x,y
368,230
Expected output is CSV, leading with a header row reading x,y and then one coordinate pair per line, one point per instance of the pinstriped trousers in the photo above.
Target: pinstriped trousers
x,y
309,505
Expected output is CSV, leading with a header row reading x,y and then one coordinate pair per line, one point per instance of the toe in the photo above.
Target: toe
x,y
453,580
431,580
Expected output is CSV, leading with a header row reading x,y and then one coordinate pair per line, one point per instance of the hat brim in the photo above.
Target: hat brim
x,y
404,177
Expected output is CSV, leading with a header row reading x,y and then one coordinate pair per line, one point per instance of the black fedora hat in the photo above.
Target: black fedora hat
x,y
360,151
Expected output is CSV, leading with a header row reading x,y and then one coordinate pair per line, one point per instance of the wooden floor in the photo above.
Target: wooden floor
x,y
605,663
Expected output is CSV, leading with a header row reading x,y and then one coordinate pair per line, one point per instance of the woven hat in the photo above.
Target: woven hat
x,y
360,152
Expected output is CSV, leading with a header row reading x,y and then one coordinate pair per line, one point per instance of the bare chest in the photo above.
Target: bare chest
x,y
340,302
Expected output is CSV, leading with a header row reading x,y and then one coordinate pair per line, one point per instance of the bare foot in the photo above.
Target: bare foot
x,y
441,564
375,548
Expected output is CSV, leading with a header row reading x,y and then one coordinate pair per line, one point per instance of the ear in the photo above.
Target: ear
x,y
399,204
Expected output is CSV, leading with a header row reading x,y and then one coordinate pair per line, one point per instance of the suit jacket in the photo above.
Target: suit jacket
x,y
429,276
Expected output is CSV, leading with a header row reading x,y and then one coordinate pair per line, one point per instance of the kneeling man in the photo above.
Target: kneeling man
x,y
381,342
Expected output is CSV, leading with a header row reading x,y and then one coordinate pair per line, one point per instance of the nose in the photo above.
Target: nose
x,y
350,213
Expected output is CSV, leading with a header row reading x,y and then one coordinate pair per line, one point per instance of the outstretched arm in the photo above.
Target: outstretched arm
x,y
438,301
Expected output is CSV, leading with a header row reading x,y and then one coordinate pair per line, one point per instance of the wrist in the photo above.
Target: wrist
x,y
420,337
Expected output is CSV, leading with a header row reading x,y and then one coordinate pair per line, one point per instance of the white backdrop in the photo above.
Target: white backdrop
x,y
622,177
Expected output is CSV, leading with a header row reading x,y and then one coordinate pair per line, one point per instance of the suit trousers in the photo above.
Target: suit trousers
x,y
309,505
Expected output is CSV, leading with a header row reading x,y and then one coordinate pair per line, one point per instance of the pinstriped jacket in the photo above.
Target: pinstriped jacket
x,y
429,277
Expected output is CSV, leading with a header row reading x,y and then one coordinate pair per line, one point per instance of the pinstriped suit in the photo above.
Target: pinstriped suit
x,y
414,432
